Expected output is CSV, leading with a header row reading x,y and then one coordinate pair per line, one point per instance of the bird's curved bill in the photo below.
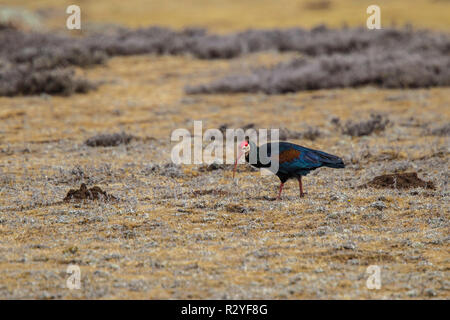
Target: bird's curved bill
x,y
236,162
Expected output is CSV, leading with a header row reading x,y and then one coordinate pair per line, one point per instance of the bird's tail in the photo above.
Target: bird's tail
x,y
331,161
336,165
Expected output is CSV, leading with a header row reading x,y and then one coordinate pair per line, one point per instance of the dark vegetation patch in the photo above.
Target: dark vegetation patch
x,y
376,123
33,57
378,67
387,155
31,82
406,180
310,133
442,131
94,193
317,5
214,166
334,57
317,41
362,257
7,25
347,58
223,128
32,63
170,170
109,140
213,192
227,167
237,208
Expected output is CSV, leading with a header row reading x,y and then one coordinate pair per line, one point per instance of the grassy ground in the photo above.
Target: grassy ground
x,y
230,15
187,233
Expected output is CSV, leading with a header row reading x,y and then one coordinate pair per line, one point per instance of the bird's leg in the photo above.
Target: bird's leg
x,y
279,192
300,185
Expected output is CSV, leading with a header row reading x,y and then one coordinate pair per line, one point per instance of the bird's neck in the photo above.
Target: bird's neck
x,y
258,163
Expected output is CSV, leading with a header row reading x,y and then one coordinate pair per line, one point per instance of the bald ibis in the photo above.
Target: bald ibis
x,y
294,161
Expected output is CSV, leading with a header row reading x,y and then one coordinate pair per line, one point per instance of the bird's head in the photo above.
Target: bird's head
x,y
244,149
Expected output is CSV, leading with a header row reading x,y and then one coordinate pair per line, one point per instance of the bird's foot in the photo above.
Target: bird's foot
x,y
302,195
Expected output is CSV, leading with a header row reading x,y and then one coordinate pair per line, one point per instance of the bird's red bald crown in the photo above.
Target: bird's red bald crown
x,y
243,144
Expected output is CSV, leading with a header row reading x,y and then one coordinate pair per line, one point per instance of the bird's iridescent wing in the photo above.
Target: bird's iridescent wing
x,y
292,158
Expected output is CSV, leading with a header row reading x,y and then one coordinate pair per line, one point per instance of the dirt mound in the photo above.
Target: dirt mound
x,y
94,193
406,180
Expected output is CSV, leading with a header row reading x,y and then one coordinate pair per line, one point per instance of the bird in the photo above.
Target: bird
x,y
294,161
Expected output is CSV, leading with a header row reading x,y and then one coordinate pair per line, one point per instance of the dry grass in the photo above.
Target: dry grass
x,y
225,16
192,233
187,233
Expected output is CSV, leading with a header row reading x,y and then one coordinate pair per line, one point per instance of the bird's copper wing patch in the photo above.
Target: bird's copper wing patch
x,y
288,155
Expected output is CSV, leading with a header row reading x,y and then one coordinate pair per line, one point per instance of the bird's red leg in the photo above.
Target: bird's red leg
x,y
279,192
301,187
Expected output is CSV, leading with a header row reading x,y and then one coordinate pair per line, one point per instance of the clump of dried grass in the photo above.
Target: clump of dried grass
x,y
442,131
109,140
311,133
170,170
376,123
29,81
317,5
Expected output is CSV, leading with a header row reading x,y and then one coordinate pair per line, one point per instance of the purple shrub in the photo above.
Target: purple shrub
x,y
386,58
333,57
29,81
388,69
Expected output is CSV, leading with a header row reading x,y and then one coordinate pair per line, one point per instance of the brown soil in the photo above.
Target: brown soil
x,y
94,193
406,180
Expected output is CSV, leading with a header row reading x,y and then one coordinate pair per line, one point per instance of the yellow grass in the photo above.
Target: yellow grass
x,y
224,16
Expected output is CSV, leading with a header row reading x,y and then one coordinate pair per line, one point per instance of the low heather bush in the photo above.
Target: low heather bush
x,y
29,81
333,57
443,130
378,67
109,140
341,58
376,123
